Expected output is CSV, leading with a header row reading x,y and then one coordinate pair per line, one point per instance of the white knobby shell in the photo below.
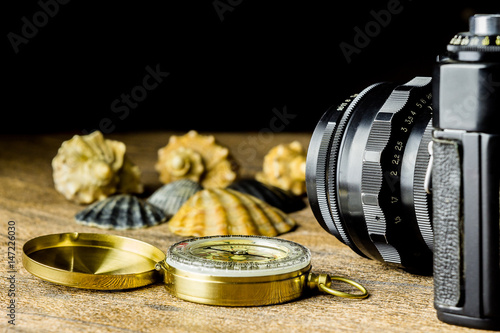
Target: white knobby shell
x,y
89,168
198,158
284,167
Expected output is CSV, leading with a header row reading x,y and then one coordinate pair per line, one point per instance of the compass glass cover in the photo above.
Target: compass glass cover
x,y
238,255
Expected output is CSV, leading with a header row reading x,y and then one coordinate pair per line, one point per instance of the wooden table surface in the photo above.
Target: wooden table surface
x,y
398,302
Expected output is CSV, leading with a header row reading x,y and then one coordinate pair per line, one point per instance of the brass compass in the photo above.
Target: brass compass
x,y
217,270
243,271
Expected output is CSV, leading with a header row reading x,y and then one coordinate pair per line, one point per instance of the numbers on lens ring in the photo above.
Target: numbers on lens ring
x,y
394,173
399,146
404,129
420,104
394,200
397,219
397,159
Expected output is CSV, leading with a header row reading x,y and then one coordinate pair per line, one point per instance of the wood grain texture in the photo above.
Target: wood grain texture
x,y
399,301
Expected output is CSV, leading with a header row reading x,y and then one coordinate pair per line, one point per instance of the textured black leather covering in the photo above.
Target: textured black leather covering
x,y
446,196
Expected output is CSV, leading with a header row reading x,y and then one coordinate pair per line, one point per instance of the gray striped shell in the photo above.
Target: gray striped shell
x,y
123,211
170,197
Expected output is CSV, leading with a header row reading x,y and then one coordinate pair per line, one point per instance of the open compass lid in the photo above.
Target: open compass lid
x,y
217,270
92,261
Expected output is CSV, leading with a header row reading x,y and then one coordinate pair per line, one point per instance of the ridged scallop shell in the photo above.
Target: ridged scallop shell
x,y
276,197
120,212
170,197
285,167
198,158
89,168
227,212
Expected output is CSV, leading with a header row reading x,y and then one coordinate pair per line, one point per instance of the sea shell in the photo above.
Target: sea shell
x,y
227,212
170,197
285,167
89,168
122,211
198,158
276,197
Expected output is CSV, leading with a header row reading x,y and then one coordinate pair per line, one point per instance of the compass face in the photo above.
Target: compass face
x,y
238,256
239,250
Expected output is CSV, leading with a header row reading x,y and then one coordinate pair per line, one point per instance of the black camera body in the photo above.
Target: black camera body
x,y
466,177
410,175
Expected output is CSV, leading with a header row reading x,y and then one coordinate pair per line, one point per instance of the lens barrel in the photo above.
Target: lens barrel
x,y
369,162
366,169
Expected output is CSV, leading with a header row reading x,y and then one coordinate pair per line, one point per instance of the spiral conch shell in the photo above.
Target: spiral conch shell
x,y
284,167
198,158
227,212
89,168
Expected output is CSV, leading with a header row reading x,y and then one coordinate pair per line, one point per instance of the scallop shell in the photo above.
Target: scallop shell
x,y
89,168
198,158
170,197
227,212
120,212
276,197
285,167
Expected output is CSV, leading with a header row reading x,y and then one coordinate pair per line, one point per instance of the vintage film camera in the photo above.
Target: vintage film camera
x,y
409,174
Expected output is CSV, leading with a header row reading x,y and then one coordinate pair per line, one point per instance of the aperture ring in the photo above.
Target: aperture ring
x,y
372,169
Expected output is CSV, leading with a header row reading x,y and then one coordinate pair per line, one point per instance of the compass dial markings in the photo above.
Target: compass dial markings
x,y
238,251
238,255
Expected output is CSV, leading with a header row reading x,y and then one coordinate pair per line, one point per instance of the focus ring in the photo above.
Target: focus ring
x,y
321,183
326,187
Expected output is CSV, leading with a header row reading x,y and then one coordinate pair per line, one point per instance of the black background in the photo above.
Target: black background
x,y
225,75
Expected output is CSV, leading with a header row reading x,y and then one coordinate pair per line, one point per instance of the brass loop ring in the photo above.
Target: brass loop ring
x,y
334,292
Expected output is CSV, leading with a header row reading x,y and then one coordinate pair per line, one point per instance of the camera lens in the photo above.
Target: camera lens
x,y
365,173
